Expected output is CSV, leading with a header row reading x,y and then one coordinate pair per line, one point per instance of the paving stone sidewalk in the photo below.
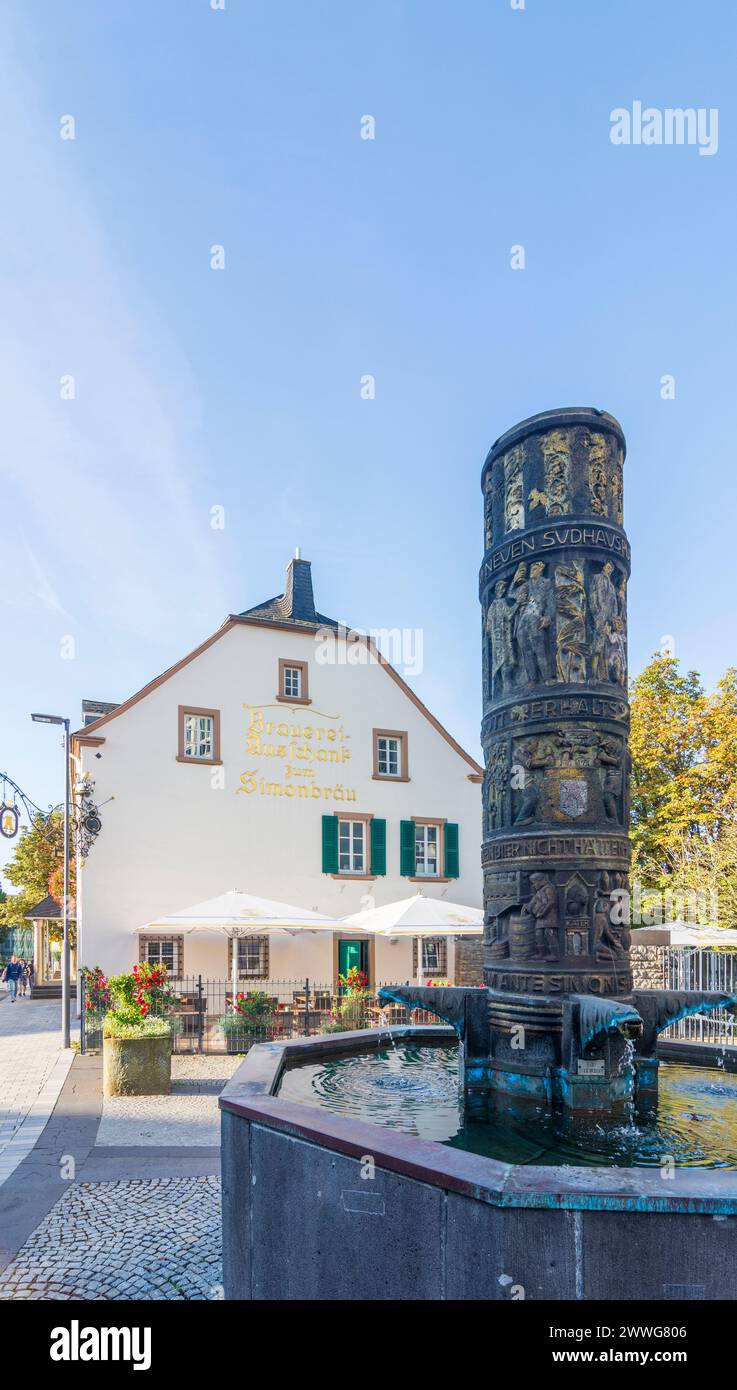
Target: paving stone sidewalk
x,y
189,1117
153,1239
142,1217
33,1069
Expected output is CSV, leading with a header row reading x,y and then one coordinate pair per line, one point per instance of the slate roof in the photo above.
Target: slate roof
x,y
295,608
47,908
296,605
92,709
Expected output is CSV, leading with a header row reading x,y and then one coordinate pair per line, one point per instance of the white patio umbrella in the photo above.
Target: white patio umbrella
x,y
692,934
419,916
241,914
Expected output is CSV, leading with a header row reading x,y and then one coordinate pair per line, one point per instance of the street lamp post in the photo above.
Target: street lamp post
x,y
58,719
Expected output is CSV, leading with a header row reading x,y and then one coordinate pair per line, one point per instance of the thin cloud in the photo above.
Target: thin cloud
x,y
103,486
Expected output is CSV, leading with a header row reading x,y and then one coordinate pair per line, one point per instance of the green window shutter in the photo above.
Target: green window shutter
x,y
407,848
378,846
330,844
452,855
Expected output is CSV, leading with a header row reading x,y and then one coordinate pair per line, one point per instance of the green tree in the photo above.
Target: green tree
x,y
39,851
684,783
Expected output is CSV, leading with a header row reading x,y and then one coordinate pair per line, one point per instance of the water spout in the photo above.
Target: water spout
x,y
447,1002
658,1008
597,1016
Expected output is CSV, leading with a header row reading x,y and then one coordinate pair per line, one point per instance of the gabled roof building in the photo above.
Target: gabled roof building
x,y
264,761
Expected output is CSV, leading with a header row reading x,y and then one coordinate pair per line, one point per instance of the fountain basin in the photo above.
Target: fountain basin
x,y
320,1206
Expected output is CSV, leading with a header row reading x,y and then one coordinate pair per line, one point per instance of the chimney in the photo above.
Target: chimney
x,y
299,601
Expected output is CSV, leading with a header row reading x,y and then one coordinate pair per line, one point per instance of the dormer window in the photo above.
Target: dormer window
x,y
293,677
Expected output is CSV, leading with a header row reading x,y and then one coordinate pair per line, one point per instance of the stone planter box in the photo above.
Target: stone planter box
x,y
136,1066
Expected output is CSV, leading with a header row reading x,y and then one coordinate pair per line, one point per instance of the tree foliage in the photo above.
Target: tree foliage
x,y
38,853
684,783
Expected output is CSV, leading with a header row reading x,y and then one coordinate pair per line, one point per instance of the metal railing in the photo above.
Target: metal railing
x,y
687,968
203,1019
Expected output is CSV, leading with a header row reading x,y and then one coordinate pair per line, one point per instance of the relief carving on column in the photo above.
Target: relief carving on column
x,y
534,602
500,631
570,607
609,637
610,757
597,447
497,783
609,938
567,775
489,510
617,489
543,908
556,452
514,501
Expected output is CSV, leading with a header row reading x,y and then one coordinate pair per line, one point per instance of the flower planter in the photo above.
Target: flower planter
x,y
242,1041
136,1066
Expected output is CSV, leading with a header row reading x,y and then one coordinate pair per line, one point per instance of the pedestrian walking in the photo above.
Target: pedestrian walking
x,y
11,976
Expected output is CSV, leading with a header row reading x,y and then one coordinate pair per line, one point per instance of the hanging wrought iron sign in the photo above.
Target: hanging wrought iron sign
x,y
92,823
12,805
9,820
89,823
85,814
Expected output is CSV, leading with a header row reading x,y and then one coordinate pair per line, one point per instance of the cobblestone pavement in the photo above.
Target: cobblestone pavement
x,y
189,1116
33,1069
154,1239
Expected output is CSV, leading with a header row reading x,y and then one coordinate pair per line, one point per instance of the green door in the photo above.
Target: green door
x,y
350,954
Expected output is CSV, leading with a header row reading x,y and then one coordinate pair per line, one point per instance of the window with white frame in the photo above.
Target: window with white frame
x,y
434,955
389,756
351,846
293,682
253,957
164,950
427,846
199,736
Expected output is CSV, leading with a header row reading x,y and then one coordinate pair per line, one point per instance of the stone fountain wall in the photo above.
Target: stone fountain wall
x,y
301,1222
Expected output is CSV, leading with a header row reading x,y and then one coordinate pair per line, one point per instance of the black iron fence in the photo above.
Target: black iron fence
x,y
205,1018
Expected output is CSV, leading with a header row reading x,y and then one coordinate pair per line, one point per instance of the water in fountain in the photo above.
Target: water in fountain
x,y
418,1089
384,1027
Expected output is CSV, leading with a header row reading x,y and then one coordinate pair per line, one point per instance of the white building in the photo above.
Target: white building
x,y
282,759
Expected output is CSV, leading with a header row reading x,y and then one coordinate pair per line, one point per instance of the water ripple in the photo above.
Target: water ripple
x,y
417,1090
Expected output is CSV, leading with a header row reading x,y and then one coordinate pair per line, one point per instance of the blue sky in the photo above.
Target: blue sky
x,y
344,256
